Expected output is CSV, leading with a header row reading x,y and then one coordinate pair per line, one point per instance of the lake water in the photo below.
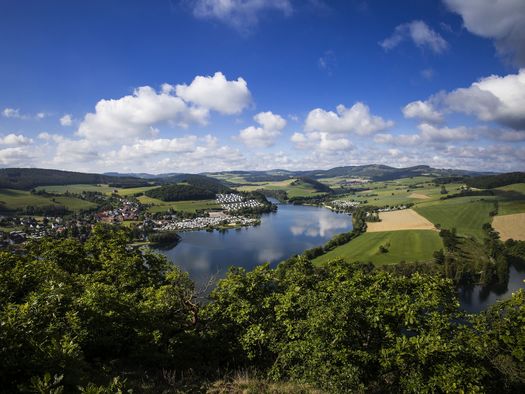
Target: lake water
x,y
476,298
289,231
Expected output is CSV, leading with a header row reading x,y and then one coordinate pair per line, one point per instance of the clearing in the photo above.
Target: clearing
x,y
406,219
510,226
407,245
186,206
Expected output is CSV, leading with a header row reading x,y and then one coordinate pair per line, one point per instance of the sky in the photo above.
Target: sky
x,y
213,85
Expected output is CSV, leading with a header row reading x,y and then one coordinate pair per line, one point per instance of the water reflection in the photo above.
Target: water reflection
x,y
477,298
289,231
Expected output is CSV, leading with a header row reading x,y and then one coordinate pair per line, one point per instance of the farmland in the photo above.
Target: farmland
x,y
405,219
466,214
406,245
104,189
510,226
292,188
18,199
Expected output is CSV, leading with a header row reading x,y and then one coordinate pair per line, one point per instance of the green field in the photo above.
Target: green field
x,y
104,189
301,189
406,245
20,199
186,206
466,214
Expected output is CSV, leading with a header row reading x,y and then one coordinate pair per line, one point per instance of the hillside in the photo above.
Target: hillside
x,y
29,178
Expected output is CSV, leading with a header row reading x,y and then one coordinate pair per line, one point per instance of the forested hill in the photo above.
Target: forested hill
x,y
376,172
492,181
200,181
28,178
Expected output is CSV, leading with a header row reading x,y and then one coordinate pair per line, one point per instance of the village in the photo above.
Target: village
x,y
18,229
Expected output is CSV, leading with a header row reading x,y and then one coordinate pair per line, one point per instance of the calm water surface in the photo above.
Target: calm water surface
x,y
289,231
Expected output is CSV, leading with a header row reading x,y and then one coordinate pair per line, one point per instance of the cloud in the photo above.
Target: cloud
x,y
444,134
356,119
422,110
501,21
494,98
151,147
15,139
264,136
135,115
419,33
66,120
216,93
327,62
323,142
239,14
12,113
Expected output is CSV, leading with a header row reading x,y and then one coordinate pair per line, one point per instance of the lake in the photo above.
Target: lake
x,y
290,231
283,234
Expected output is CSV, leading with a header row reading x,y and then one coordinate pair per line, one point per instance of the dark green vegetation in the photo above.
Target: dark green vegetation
x,y
180,192
493,181
317,186
200,181
28,178
79,315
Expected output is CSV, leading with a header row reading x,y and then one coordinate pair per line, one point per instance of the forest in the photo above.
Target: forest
x,y
100,317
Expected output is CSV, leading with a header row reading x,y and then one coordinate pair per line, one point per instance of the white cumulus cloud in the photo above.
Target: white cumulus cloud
x,y
216,93
265,135
66,120
495,98
356,119
422,110
15,139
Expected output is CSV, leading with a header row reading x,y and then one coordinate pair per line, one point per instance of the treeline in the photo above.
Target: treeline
x,y
318,186
199,181
29,178
359,227
493,181
102,317
180,192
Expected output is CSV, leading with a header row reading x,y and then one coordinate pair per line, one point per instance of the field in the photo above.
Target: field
x,y
415,190
299,190
510,226
406,219
186,206
104,189
466,214
407,245
20,199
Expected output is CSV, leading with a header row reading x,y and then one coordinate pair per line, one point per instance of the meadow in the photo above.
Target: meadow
x,y
20,199
466,214
299,189
405,245
104,189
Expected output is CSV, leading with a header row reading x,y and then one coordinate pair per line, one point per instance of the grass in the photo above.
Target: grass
x,y
20,199
394,193
406,245
466,214
185,206
104,189
300,189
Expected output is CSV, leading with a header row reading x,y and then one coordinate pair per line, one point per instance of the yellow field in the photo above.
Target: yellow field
x,y
406,219
419,196
510,226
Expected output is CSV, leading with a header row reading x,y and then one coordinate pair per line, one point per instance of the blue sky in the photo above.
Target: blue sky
x,y
200,85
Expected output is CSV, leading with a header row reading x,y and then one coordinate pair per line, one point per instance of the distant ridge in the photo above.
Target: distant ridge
x,y
28,178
